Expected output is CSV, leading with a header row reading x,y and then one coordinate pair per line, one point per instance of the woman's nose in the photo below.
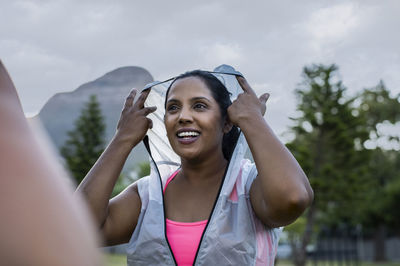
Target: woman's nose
x,y
185,116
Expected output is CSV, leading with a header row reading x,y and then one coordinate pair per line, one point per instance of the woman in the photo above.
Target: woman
x,y
215,208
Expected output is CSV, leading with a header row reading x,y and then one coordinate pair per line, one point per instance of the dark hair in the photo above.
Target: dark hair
x,y
222,96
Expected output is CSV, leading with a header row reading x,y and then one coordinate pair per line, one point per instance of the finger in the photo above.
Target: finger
x,y
142,98
130,98
245,85
150,123
264,98
147,110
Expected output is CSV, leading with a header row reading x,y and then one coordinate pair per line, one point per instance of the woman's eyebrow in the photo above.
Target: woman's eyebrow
x,y
173,100
200,98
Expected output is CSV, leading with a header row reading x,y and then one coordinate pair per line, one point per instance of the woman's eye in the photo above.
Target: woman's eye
x,y
200,106
172,107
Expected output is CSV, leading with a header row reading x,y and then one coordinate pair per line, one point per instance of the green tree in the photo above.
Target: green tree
x,y
379,211
120,185
85,142
143,169
378,106
329,134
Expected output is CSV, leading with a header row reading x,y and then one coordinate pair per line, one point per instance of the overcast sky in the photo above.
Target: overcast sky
x,y
55,46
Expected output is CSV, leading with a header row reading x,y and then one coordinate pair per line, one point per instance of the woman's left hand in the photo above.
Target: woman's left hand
x,y
247,105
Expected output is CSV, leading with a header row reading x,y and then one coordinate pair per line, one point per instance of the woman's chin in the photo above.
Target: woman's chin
x,y
186,151
189,156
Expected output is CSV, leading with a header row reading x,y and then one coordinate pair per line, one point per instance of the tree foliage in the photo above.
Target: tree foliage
x,y
328,141
120,185
85,142
328,144
380,205
143,169
377,106
352,183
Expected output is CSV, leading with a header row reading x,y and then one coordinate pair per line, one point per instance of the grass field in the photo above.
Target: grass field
x,y
120,260
115,260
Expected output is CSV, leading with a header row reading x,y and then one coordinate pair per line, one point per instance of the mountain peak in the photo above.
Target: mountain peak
x,y
120,77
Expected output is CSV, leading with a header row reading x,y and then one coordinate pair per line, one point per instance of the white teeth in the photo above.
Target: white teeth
x,y
188,134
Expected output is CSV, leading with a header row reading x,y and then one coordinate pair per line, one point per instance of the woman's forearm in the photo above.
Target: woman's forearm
x,y
284,185
98,184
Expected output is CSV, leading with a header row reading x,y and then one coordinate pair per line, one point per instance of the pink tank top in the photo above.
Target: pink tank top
x,y
184,238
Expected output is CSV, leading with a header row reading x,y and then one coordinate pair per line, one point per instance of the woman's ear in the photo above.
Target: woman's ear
x,y
227,125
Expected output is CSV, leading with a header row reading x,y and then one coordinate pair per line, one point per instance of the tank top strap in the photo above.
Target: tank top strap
x,y
170,179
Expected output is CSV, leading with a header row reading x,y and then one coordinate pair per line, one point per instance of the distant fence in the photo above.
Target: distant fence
x,y
337,246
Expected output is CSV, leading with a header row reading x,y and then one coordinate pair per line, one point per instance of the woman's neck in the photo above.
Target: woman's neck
x,y
204,170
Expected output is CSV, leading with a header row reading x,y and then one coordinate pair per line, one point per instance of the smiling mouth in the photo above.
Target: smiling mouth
x,y
188,134
187,137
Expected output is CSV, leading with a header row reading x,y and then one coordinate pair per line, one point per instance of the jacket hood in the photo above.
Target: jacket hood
x,y
163,158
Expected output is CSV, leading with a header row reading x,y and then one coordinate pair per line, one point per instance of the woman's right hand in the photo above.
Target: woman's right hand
x,y
133,123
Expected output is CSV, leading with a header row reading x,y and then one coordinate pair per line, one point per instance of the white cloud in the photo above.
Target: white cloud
x,y
334,22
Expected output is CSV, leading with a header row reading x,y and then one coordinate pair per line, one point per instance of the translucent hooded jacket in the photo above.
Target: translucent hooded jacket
x,y
233,234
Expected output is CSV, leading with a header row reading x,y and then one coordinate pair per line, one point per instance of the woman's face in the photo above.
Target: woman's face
x,y
193,120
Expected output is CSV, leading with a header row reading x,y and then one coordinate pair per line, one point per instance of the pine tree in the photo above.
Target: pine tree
x,y
328,145
85,142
